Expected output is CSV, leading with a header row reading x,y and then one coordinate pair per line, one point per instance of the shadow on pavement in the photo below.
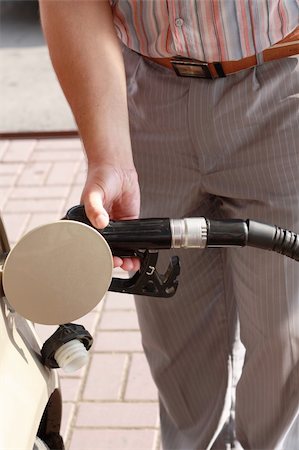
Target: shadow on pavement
x,y
19,24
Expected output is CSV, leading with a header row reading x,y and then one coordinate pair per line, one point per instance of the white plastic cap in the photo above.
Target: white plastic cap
x,y
71,356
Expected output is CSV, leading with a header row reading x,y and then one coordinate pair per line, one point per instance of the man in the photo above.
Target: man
x,y
220,145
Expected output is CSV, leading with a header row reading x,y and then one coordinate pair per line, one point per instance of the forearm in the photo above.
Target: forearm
x,y
88,61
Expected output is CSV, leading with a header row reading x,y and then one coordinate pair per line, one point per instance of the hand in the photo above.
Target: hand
x,y
113,192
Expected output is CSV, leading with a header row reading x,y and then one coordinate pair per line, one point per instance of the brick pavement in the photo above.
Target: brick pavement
x,y
112,402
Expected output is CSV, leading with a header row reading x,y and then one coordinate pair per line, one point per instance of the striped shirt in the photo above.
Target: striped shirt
x,y
208,30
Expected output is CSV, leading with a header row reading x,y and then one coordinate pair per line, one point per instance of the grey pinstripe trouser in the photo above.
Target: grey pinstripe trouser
x,y
224,148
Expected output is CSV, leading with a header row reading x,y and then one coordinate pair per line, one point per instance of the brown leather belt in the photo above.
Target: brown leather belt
x,y
186,67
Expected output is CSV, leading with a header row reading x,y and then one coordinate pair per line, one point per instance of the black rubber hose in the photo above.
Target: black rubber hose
x,y
227,233
272,237
237,232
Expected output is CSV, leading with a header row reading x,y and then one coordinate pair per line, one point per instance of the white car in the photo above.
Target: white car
x,y
30,406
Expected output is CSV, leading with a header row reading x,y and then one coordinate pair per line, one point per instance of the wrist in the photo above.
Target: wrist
x,y
113,148
111,156
123,162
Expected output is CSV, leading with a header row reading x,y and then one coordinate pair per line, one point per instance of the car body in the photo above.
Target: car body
x,y
31,406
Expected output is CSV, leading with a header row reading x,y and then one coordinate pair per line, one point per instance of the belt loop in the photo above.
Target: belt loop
x,y
260,58
219,69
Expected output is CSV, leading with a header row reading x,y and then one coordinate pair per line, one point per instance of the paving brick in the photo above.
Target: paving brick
x,y
37,219
112,439
14,225
70,388
5,193
61,144
80,177
8,179
32,192
8,168
99,307
33,205
62,173
120,301
118,341
68,410
140,385
117,415
157,441
57,155
118,320
89,321
3,146
105,376
19,150
73,197
34,174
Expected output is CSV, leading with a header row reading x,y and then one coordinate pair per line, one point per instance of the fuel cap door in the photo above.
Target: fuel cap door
x,y
57,272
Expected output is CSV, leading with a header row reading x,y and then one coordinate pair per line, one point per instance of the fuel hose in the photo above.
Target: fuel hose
x,y
193,232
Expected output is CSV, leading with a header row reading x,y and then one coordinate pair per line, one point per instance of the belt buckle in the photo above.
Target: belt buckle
x,y
185,67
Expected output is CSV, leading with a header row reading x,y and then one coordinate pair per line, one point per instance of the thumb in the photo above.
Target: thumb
x,y
95,211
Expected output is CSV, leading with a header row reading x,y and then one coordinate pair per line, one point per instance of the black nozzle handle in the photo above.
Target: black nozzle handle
x,y
137,234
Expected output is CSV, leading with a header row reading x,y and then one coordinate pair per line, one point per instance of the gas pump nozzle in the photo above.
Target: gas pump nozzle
x,y
145,237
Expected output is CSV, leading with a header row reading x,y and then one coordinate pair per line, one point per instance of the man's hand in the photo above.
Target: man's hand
x,y
112,192
88,61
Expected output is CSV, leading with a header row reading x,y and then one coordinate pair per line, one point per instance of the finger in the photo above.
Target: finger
x,y
127,264
136,264
131,264
117,262
93,202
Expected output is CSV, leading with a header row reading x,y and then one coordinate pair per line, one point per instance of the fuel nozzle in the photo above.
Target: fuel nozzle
x,y
67,348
